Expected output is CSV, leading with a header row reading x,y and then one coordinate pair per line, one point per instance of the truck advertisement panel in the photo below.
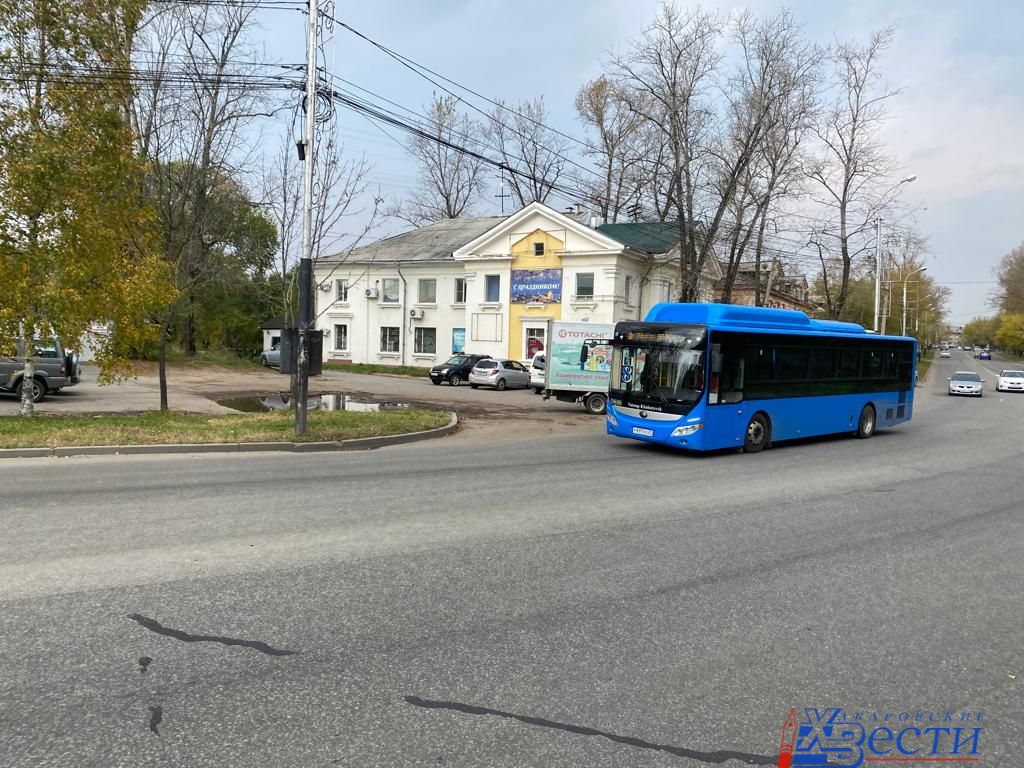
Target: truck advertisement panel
x,y
579,356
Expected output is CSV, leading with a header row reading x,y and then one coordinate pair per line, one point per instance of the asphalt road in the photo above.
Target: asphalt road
x,y
571,601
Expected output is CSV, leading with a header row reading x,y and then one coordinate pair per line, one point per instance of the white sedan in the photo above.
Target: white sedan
x,y
1010,381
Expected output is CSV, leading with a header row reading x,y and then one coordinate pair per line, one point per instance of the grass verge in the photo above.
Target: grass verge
x,y
924,364
157,428
395,370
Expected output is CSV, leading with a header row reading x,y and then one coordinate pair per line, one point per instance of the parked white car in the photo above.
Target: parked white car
x,y
537,373
1010,381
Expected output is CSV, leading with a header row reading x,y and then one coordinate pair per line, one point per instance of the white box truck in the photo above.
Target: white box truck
x,y
578,363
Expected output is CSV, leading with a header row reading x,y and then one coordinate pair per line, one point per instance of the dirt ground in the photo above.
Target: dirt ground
x,y
486,415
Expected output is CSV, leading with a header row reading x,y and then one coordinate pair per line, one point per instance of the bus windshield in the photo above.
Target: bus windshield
x,y
669,371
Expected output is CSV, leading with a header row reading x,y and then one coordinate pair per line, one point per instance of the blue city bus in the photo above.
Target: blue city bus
x,y
706,377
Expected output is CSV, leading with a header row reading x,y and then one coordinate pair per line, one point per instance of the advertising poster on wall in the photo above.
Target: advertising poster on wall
x,y
536,286
458,340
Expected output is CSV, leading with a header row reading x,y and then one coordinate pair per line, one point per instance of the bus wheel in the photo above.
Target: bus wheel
x,y
595,404
866,425
757,434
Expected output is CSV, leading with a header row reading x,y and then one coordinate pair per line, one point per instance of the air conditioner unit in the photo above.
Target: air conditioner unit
x,y
370,293
416,314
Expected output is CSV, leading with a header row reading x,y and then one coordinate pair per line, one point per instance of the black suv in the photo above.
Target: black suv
x,y
455,369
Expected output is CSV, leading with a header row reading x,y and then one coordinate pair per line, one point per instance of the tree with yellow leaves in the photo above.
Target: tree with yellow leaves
x,y
76,238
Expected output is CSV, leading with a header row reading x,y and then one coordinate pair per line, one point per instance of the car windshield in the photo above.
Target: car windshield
x,y
487,364
963,376
457,360
1013,374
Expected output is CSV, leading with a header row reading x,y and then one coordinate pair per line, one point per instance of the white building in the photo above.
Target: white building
x,y
487,285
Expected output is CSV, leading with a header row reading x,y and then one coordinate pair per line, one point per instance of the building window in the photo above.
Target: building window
x,y
460,290
585,285
427,290
390,292
425,341
492,288
629,290
341,290
538,249
341,338
389,339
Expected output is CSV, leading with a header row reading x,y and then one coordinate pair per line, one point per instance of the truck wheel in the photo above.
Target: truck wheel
x,y
757,434
595,404
38,390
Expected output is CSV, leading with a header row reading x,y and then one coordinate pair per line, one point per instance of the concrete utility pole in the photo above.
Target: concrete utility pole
x,y
878,270
306,261
905,281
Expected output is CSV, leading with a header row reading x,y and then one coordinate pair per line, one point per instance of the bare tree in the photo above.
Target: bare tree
x,y
450,181
853,165
339,189
535,155
191,114
618,150
783,69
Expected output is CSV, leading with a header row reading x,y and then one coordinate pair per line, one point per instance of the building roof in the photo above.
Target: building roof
x,y
644,236
275,324
434,242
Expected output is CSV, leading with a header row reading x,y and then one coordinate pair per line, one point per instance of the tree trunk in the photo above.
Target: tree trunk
x,y
27,405
164,326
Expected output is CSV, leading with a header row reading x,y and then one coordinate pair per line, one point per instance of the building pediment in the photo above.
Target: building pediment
x,y
501,241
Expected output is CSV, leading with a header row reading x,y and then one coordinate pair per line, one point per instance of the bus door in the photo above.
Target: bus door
x,y
726,416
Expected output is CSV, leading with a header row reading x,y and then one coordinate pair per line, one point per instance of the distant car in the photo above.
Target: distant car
x,y
499,373
537,372
455,369
271,357
945,353
965,383
984,355
1010,381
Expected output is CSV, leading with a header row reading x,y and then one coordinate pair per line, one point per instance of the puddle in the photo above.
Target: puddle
x,y
333,401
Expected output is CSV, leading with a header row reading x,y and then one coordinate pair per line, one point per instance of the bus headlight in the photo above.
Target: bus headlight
x,y
687,430
612,420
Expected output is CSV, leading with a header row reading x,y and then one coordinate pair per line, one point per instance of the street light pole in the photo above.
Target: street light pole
x,y
905,281
878,252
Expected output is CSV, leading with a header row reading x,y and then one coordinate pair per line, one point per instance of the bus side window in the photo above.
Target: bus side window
x,y
730,377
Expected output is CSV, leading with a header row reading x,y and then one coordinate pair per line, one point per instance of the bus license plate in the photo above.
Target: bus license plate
x,y
642,431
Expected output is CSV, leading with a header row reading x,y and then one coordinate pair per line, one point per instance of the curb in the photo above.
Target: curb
x,y
358,444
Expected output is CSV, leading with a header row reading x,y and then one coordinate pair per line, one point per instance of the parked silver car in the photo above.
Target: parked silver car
x,y
965,383
499,373
271,357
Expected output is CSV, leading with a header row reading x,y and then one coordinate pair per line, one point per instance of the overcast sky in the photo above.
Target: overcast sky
x,y
958,122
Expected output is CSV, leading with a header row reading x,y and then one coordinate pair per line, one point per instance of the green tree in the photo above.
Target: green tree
x,y
1009,336
980,331
75,237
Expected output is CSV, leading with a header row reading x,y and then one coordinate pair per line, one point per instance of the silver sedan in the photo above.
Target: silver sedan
x,y
499,373
965,383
